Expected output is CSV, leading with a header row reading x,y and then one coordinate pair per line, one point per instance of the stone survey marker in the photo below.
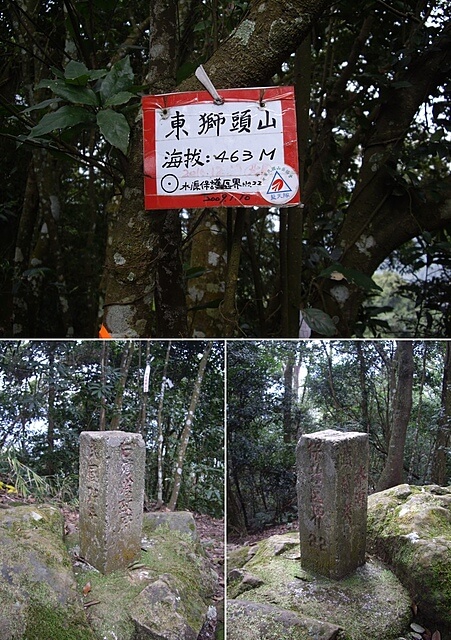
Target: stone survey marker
x,y
112,467
332,471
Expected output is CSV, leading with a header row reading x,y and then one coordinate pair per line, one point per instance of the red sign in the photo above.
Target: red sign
x,y
241,153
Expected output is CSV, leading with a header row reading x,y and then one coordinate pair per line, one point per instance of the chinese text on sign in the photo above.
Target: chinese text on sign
x,y
239,153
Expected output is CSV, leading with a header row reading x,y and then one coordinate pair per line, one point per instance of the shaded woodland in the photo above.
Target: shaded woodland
x,y
367,255
50,391
399,392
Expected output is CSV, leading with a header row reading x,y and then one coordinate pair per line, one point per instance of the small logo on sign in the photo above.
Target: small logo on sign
x,y
279,184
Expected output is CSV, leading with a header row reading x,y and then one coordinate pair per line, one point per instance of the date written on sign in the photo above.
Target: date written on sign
x,y
242,152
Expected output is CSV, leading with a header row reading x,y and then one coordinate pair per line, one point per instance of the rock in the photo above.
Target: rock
x,y
253,621
410,527
38,592
164,595
182,521
370,604
245,581
158,614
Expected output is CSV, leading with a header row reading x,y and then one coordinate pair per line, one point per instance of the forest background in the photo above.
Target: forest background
x,y
50,391
368,253
399,392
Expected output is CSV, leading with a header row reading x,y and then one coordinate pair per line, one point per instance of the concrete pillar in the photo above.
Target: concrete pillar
x,y
332,485
112,465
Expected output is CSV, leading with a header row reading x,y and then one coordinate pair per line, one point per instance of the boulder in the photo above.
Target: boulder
x,y
38,592
370,604
182,521
254,621
410,528
159,613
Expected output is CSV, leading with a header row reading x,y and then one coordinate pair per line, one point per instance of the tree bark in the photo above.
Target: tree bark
x,y
439,470
288,435
268,34
103,401
393,473
186,433
204,293
118,402
160,430
51,397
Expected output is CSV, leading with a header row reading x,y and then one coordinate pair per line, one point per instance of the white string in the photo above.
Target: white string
x,y
201,75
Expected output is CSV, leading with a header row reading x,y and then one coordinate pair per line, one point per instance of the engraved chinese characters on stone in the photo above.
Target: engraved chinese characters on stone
x,y
111,497
332,496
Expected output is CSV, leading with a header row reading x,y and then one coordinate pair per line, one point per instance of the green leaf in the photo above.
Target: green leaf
x,y
319,322
72,93
352,275
119,78
114,127
41,105
437,135
63,118
77,73
119,98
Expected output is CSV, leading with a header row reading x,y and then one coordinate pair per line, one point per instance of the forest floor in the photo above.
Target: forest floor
x,y
234,542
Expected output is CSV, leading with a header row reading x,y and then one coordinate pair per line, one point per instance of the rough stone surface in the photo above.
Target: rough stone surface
x,y
253,621
112,465
370,604
182,521
410,527
38,592
158,613
332,499
244,580
177,567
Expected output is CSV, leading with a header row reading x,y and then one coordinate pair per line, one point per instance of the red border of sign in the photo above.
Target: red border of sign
x,y
149,103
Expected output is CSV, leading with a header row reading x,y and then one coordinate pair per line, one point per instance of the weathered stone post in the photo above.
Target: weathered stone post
x,y
332,481
112,465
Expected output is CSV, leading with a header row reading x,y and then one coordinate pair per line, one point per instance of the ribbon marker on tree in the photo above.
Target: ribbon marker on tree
x,y
203,78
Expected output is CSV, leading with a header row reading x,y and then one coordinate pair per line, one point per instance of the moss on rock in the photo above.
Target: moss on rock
x,y
370,604
169,556
410,527
37,590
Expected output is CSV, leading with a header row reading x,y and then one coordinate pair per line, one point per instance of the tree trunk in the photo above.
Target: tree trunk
x,y
439,471
392,473
236,513
363,371
415,456
269,33
50,466
374,226
160,430
288,434
103,401
186,433
145,396
205,292
125,366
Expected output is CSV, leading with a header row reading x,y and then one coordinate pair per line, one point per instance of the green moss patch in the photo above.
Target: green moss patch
x,y
410,528
370,604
